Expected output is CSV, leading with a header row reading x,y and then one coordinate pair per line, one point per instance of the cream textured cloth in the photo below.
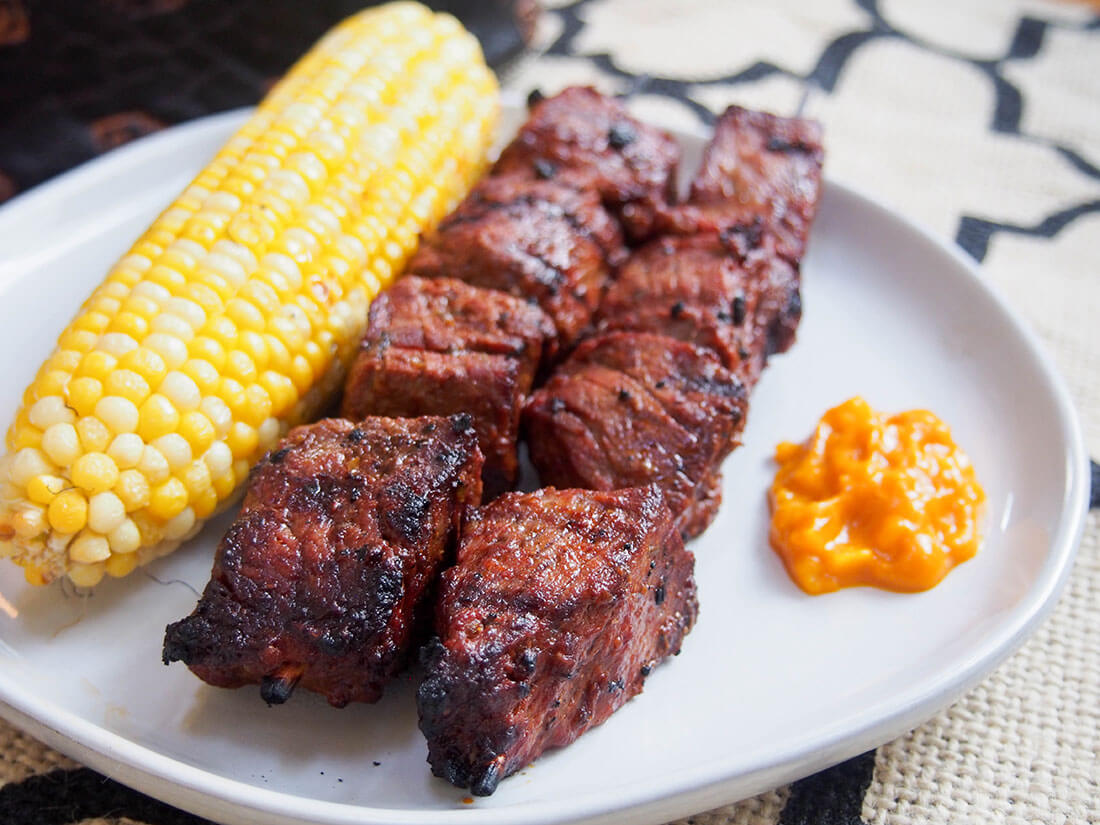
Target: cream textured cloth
x,y
980,119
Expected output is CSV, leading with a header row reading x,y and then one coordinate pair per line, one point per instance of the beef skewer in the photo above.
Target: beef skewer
x,y
726,272
723,277
323,579
560,604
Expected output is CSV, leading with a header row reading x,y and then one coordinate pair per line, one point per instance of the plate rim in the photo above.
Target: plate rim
x,y
687,790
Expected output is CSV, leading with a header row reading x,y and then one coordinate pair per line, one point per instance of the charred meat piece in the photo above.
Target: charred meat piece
x,y
537,240
689,382
440,347
323,580
561,603
590,141
602,423
740,301
758,169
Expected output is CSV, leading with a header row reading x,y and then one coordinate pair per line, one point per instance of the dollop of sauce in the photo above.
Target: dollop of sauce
x,y
873,499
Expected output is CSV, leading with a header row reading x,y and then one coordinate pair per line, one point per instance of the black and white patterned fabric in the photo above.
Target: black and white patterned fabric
x,y
979,119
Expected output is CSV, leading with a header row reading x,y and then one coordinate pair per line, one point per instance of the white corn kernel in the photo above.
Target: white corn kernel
x,y
45,412
117,343
89,547
172,350
180,525
219,414
153,465
118,413
189,311
126,450
175,449
174,326
181,390
61,443
126,538
152,291
105,512
219,459
226,266
28,463
86,575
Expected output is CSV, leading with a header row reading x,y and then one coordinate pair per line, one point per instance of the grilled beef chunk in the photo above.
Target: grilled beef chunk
x,y
689,383
537,240
439,347
323,580
561,603
665,414
761,171
742,305
591,142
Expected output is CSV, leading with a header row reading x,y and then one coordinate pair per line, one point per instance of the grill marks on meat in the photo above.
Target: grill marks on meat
x,y
756,196
323,578
562,601
538,240
633,409
591,142
757,169
441,347
695,288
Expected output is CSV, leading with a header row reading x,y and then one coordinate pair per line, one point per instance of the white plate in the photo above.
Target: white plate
x,y
772,684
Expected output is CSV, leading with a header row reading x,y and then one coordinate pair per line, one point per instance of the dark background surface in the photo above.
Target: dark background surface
x,y
79,77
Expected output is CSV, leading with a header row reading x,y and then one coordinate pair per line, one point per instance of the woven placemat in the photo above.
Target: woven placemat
x,y
980,118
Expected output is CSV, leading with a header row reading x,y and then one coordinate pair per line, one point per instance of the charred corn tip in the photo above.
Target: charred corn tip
x,y
234,316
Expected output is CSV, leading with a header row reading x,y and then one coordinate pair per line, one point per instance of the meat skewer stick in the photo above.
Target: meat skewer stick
x,y
323,578
560,605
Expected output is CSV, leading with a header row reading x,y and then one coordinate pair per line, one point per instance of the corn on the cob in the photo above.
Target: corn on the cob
x,y
234,315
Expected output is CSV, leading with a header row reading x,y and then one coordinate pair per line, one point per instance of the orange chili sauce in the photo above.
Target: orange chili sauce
x,y
872,499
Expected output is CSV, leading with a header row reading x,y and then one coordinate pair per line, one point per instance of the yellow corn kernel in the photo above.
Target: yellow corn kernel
x,y
243,440
82,394
157,417
146,363
68,511
43,488
168,499
205,502
119,564
94,473
128,384
197,430
93,434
